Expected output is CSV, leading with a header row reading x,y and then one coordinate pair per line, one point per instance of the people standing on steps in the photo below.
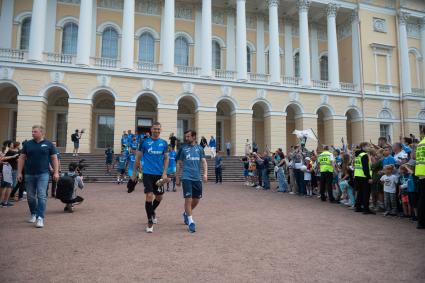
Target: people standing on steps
x,y
212,145
75,138
228,148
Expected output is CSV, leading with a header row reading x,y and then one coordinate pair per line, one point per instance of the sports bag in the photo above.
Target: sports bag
x,y
65,188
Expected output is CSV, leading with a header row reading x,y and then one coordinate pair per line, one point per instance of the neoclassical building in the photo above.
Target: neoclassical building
x,y
234,69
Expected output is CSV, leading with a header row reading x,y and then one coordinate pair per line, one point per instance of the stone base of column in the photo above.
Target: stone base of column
x,y
80,117
30,113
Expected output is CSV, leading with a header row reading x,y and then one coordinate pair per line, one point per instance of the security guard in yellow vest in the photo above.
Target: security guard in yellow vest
x,y
420,173
362,179
326,165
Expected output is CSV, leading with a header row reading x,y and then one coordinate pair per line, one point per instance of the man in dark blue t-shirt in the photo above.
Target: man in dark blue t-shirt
x,y
36,156
190,157
154,152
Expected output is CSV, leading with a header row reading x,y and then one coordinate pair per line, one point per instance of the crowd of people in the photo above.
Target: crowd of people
x,y
383,178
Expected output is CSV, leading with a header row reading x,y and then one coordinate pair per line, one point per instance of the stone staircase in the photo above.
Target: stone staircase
x,y
95,171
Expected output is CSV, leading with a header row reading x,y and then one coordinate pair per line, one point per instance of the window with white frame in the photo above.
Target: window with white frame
x,y
248,59
105,131
181,52
384,130
324,76
146,48
25,34
109,43
69,38
216,55
297,64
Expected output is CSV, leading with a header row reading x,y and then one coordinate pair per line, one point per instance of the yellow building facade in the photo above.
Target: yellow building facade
x,y
235,69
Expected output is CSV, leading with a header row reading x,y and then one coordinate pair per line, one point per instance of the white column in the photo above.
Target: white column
x,y
406,85
423,51
274,49
315,62
167,38
289,59
355,47
6,23
50,26
93,29
84,33
206,39
241,66
38,30
198,37
261,65
333,65
230,40
127,50
303,6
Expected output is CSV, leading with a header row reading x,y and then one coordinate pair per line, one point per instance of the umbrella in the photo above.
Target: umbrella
x,y
305,134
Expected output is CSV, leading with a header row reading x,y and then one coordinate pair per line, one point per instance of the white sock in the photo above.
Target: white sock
x,y
190,219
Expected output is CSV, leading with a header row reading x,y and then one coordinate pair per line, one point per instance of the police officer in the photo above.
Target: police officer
x,y
420,173
362,179
326,165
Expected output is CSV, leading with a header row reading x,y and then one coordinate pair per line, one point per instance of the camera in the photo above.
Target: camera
x,y
81,166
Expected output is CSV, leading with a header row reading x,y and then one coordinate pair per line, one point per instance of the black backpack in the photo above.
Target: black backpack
x,y
74,138
65,188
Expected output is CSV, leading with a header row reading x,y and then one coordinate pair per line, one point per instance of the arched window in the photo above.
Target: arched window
x,y
297,65
181,53
248,59
146,48
25,34
324,68
109,43
69,38
216,55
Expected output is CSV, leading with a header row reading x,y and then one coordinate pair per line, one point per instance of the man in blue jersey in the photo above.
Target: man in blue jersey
x,y
190,157
154,152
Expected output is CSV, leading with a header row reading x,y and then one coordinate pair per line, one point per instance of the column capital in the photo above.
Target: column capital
x,y
273,3
354,16
303,5
331,9
403,17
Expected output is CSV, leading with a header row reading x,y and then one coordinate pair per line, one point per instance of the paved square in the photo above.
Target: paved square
x,y
242,235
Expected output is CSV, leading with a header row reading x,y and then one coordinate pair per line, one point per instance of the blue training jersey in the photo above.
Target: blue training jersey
x,y
153,155
121,160
130,159
191,156
172,160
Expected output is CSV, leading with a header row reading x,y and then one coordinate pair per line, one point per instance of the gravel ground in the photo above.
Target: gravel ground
x,y
243,235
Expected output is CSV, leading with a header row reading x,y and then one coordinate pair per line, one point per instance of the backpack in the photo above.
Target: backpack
x,y
65,188
74,138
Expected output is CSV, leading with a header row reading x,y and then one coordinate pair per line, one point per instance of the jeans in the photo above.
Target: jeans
x,y
390,200
299,178
266,181
36,193
281,179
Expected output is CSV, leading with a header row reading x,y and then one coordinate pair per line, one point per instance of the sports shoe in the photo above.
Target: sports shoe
x,y
191,227
292,193
40,222
8,204
185,219
154,219
149,229
32,219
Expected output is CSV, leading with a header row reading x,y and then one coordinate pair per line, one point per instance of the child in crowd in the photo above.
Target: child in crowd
x,y
245,170
171,170
109,156
389,180
412,192
120,162
403,193
252,171
347,181
307,176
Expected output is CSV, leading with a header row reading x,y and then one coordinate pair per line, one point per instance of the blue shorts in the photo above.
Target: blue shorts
x,y
76,145
192,189
245,172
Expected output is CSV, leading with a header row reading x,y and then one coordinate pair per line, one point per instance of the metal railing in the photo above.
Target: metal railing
x,y
148,67
60,58
258,77
187,70
347,86
12,54
383,88
109,63
320,84
291,80
224,74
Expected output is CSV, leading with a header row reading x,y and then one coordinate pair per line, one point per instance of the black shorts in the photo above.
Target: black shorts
x,y
413,199
192,189
149,183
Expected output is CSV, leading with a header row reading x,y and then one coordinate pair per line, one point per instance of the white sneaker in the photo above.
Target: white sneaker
x,y
32,219
258,187
149,230
40,222
291,193
154,220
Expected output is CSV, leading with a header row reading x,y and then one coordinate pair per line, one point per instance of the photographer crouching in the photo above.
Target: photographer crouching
x,y
68,184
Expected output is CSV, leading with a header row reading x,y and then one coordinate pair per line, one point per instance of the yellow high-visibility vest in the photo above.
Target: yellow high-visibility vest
x,y
325,162
358,167
420,159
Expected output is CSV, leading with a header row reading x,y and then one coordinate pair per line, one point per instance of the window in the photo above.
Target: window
x,y
105,131
146,48
248,59
182,126
25,34
384,130
69,39
61,127
421,131
216,55
324,68
181,53
109,43
297,65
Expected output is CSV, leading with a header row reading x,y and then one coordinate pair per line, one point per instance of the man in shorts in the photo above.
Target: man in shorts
x,y
190,157
154,152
